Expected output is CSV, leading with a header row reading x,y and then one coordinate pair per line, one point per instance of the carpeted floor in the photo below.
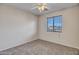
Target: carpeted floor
x,y
40,47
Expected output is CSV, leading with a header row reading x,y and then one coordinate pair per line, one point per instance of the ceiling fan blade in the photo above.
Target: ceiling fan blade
x,y
34,8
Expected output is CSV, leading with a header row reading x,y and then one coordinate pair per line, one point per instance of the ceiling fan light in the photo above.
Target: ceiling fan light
x,y
41,6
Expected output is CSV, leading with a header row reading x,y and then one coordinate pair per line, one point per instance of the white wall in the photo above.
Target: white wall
x,y
16,27
70,33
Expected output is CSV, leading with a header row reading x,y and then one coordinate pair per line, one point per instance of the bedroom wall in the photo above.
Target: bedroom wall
x,y
16,27
70,31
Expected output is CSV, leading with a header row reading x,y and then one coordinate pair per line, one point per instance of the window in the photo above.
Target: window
x,y
54,24
50,24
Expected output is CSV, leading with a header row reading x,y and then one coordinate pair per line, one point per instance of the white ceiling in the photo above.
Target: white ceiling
x,y
51,6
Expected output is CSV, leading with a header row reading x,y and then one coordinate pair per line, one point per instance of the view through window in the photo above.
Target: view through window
x,y
54,24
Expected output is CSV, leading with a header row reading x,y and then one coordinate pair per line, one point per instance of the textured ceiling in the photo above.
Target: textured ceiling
x,y
51,6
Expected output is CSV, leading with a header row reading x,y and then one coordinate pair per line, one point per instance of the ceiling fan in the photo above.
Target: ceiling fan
x,y
41,7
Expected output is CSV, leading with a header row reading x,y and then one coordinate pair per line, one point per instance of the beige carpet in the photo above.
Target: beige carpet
x,y
40,47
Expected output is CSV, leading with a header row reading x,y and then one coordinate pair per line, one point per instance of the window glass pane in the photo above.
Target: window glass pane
x,y
50,24
58,23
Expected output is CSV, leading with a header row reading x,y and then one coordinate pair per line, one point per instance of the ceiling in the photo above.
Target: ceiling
x,y
51,6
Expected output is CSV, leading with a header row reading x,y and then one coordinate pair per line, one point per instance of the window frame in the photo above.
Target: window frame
x,y
47,24
53,24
